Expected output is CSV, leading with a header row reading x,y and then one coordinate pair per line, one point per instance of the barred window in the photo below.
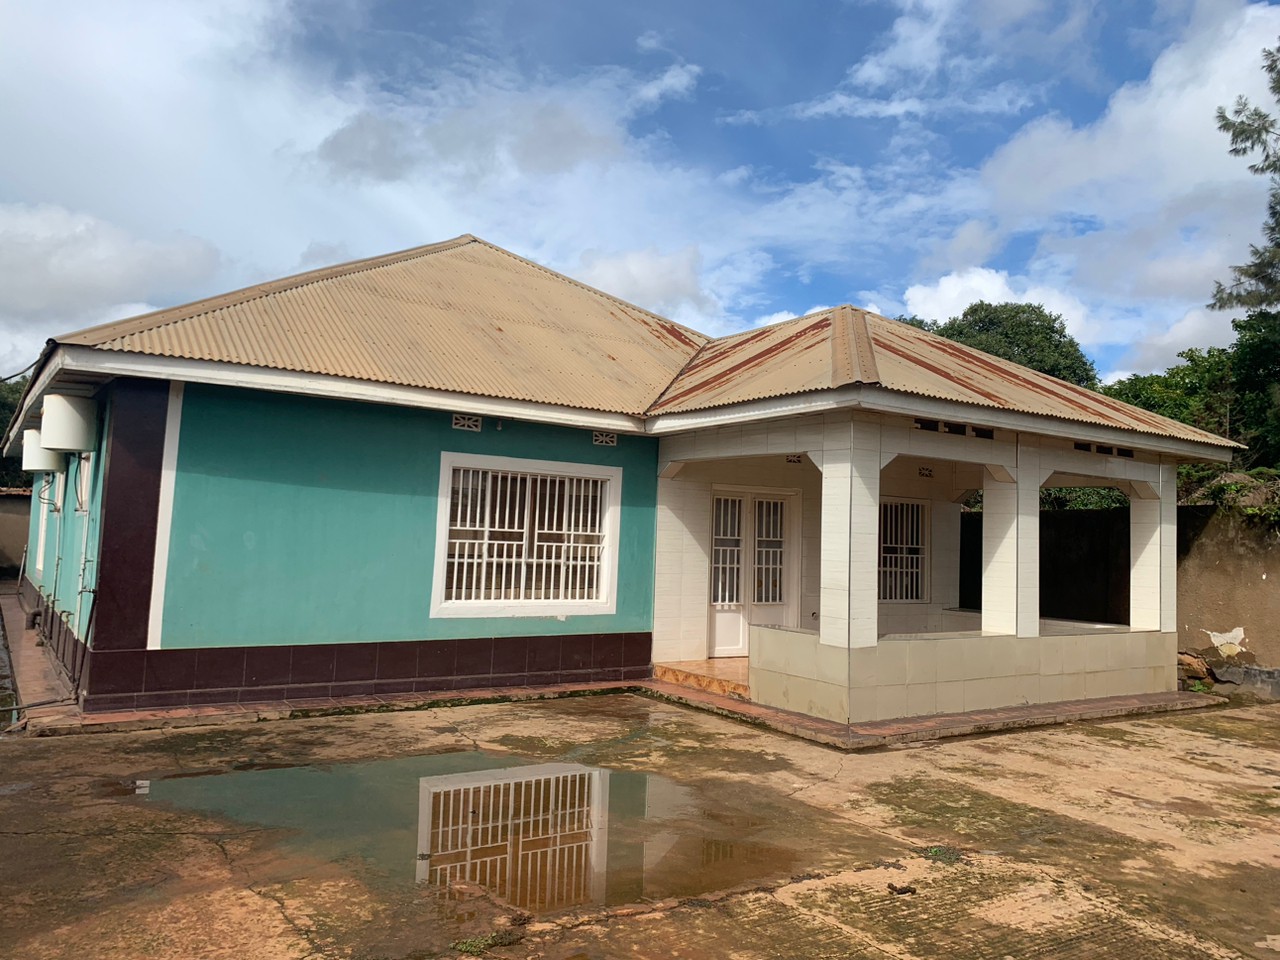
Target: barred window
x,y
904,550
526,536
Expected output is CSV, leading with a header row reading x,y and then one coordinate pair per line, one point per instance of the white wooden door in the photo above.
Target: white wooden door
x,y
753,560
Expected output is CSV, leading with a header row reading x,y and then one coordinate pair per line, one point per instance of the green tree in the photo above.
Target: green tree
x,y
1256,285
1256,358
1200,391
1025,333
11,474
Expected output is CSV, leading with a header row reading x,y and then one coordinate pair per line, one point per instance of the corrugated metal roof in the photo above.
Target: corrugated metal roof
x,y
469,317
814,353
462,315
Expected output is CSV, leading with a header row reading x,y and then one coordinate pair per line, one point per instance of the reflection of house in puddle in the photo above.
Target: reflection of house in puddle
x,y
534,836
558,835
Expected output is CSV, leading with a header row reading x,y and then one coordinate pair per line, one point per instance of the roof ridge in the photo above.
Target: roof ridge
x,y
844,362
130,326
596,290
864,347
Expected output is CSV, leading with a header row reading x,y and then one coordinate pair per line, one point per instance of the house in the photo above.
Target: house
x,y
452,468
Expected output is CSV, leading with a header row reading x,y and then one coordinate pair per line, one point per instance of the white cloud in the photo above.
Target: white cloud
x,y
783,315
677,82
948,296
666,282
915,46
1143,209
1198,327
57,266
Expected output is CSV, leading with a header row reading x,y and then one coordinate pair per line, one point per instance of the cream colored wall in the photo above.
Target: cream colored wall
x,y
681,570
901,678
682,582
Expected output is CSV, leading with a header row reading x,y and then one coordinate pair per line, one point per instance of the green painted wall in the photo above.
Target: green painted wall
x,y
65,577
302,520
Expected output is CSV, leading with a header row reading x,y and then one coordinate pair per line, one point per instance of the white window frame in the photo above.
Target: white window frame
x,y
84,471
606,603
59,491
926,547
43,492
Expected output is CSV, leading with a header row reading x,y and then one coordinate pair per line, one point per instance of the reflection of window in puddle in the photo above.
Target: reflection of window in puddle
x,y
537,836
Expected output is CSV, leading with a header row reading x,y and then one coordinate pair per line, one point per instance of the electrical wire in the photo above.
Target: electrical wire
x,y
15,376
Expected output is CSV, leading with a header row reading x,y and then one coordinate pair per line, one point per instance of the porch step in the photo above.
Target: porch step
x,y
704,675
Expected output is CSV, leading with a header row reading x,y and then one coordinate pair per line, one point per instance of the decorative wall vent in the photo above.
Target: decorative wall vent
x,y
795,458
955,429
463,422
604,439
1106,451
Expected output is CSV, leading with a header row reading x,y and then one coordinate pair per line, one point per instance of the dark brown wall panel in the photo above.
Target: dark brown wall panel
x,y
124,679
130,501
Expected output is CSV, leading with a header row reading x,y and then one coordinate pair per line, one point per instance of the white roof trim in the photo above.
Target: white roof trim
x,y
112,363
870,397
879,399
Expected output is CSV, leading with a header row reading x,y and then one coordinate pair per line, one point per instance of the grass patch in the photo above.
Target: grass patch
x,y
942,853
982,820
479,946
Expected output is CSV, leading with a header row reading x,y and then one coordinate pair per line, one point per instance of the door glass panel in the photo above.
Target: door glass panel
x,y
769,549
726,550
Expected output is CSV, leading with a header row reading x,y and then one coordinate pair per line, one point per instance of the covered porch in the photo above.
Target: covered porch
x,y
822,554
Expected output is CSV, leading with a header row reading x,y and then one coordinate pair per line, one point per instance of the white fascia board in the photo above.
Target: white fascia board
x,y
842,398
117,364
878,399
912,405
35,394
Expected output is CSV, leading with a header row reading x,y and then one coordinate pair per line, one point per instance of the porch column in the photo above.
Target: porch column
x,y
833,608
864,538
850,463
1169,547
1153,558
1011,544
999,551
1030,477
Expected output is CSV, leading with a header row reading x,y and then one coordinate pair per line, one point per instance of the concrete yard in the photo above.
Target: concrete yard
x,y
1156,836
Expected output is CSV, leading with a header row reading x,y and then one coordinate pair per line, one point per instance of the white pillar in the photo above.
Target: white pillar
x,y
850,461
1146,555
1011,544
1169,547
1029,476
833,607
864,538
999,552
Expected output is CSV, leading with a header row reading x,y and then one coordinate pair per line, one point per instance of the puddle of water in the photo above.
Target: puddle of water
x,y
541,837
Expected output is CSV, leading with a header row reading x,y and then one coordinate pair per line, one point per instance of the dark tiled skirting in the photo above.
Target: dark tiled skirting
x,y
54,630
127,679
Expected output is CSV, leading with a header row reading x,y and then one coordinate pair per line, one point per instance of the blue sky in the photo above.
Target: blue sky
x,y
723,163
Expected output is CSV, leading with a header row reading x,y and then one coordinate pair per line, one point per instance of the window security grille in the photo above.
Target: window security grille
x,y
463,422
903,532
769,546
528,840
524,536
604,439
726,550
